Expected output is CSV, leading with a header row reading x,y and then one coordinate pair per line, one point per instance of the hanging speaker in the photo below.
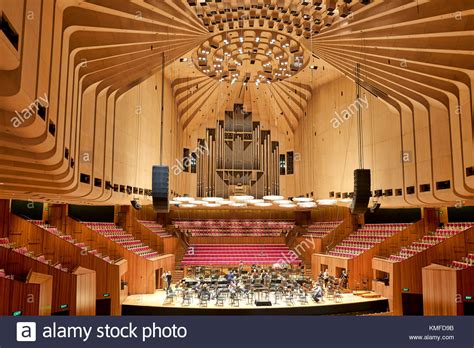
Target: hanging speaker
x,y
360,201
159,189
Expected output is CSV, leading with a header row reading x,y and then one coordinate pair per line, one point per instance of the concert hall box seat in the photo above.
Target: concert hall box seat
x,y
155,227
232,254
366,238
121,237
427,241
234,228
321,229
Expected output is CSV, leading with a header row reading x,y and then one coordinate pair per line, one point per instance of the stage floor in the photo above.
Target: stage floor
x,y
156,304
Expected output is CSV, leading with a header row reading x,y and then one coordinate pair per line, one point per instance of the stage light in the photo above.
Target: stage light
x,y
135,204
255,201
212,205
263,205
273,198
212,199
238,205
303,199
282,201
287,205
327,201
184,199
307,205
242,198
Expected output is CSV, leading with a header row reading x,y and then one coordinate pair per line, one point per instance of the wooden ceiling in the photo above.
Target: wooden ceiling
x,y
87,54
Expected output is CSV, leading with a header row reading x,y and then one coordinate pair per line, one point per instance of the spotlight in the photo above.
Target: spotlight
x,y
375,207
135,204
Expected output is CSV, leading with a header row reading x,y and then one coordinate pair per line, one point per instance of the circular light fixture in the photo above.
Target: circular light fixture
x,y
302,199
273,198
188,205
238,205
212,205
263,205
174,202
212,199
307,205
287,205
242,198
184,199
282,201
326,201
255,201
345,200
225,202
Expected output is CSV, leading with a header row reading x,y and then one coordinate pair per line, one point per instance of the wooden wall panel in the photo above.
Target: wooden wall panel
x,y
360,267
55,248
140,271
439,290
19,297
4,217
407,274
64,283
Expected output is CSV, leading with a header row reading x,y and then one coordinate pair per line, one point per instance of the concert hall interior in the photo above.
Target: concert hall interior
x,y
237,157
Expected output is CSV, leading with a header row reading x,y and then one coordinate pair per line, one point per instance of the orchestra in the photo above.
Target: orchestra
x,y
274,283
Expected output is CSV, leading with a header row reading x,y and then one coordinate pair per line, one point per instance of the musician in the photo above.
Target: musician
x,y
326,278
317,293
230,276
241,267
344,279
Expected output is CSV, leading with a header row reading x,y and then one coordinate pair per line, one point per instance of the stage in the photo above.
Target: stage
x,y
157,304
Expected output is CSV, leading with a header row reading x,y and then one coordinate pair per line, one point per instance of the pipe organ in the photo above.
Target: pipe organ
x,y
241,158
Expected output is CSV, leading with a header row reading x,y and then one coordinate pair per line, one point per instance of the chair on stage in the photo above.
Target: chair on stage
x,y
234,300
203,299
303,298
337,296
170,295
220,300
187,298
250,297
289,299
278,296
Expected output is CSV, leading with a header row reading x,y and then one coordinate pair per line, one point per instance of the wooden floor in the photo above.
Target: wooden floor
x,y
158,304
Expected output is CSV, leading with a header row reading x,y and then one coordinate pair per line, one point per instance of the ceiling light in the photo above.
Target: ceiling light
x,y
265,204
273,198
188,205
326,201
302,199
307,205
287,205
212,199
184,199
238,205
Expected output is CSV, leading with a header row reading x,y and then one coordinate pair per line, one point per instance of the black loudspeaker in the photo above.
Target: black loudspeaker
x,y
360,201
159,189
262,303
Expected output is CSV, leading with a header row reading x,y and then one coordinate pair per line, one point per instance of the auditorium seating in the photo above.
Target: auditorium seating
x,y
232,254
119,236
23,250
366,238
321,229
234,228
154,227
429,240
466,262
70,239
